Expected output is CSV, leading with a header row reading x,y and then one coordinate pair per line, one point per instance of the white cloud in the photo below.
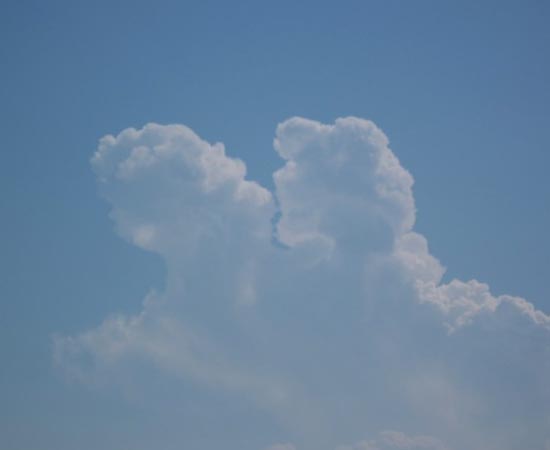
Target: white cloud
x,y
338,329
336,175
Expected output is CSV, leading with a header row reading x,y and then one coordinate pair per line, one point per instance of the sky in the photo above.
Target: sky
x,y
275,225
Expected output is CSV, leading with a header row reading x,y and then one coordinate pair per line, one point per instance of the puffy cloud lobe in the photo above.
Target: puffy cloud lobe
x,y
335,330
170,188
341,173
461,302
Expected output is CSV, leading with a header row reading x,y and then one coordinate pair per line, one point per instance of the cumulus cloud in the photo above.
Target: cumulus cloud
x,y
333,316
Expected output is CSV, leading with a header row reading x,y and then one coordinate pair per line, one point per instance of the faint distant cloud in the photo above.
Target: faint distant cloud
x,y
386,440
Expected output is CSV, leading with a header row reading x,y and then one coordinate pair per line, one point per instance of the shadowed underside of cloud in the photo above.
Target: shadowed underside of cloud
x,y
335,320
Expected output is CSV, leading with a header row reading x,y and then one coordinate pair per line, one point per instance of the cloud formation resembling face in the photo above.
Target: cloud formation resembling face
x,y
317,303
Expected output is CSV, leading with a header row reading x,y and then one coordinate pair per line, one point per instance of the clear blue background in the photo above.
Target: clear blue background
x,y
461,89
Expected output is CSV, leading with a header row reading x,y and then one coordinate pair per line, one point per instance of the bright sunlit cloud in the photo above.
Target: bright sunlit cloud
x,y
317,303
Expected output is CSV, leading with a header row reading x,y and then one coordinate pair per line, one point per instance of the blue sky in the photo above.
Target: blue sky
x,y
459,88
